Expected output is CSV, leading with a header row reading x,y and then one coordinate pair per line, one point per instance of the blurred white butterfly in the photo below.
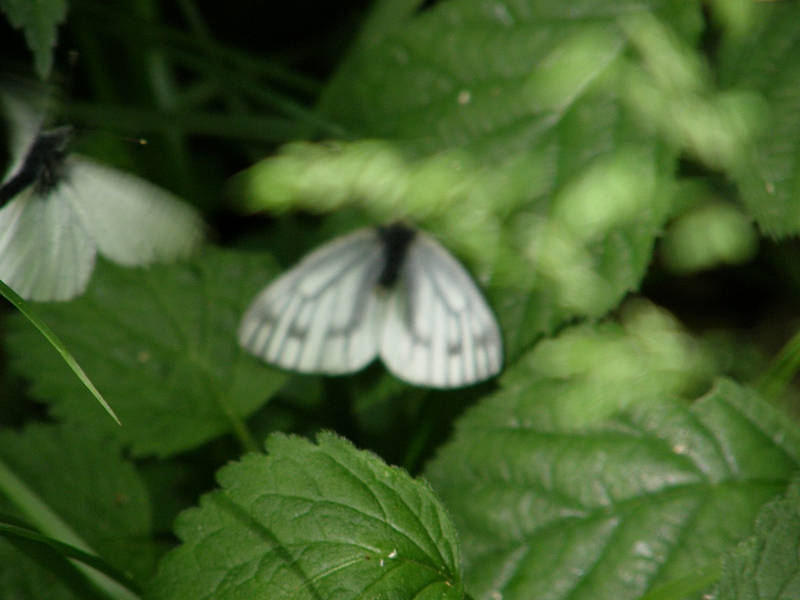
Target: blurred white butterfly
x,y
59,211
392,292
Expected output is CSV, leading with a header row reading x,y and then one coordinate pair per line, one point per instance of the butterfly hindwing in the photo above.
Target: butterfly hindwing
x,y
324,314
438,329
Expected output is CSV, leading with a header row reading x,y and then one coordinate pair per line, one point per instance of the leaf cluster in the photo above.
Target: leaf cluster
x,y
592,162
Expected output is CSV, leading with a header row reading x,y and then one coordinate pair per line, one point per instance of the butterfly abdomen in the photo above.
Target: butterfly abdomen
x,y
396,238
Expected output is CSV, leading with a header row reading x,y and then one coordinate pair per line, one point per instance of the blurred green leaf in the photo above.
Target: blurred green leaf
x,y
313,521
606,508
765,567
22,577
84,481
767,60
161,344
39,21
713,234
598,363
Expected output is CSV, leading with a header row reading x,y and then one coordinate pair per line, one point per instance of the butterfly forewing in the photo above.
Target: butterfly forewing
x,y
132,221
438,329
323,315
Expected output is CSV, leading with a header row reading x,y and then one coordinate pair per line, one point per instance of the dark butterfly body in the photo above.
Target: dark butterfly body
x,y
396,240
43,166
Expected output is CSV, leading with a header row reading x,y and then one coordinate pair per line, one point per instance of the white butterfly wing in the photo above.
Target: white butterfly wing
x,y
45,254
132,221
439,331
322,316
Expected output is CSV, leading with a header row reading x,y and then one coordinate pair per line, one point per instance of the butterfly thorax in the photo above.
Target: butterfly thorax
x,y
396,239
43,167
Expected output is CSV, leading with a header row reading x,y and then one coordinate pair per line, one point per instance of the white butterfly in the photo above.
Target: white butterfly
x,y
389,291
59,211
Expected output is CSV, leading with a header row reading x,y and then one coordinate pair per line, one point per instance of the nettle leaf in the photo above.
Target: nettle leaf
x,y
39,21
635,493
767,566
521,134
313,521
83,479
160,343
767,59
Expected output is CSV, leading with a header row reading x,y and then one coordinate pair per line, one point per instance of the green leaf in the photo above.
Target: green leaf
x,y
598,364
39,20
585,477
767,60
161,344
86,495
23,578
313,521
767,566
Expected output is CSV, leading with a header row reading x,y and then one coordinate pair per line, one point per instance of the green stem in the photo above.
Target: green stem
x,y
258,92
781,370
138,120
140,31
240,430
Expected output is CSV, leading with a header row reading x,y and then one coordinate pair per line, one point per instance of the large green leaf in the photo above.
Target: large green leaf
x,y
767,566
587,477
160,343
84,481
313,521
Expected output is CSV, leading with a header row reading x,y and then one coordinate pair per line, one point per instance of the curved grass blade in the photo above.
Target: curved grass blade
x,y
48,333
16,533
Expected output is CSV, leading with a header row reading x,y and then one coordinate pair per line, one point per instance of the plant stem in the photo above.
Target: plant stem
x,y
781,370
